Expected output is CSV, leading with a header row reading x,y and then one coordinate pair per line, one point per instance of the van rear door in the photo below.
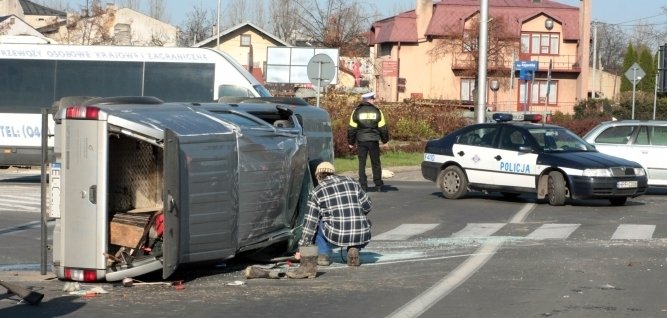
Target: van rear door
x,y
84,217
201,199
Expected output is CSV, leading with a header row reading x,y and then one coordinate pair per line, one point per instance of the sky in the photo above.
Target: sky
x,y
625,13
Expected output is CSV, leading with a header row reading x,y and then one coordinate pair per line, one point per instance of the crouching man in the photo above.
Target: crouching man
x,y
336,217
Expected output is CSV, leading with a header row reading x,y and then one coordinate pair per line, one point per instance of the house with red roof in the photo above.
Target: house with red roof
x,y
537,53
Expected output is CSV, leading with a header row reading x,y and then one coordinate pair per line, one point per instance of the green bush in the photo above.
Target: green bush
x,y
410,124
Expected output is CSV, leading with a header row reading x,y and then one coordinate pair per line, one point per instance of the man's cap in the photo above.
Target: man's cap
x,y
369,95
325,167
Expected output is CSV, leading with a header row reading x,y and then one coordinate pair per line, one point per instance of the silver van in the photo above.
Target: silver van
x,y
145,186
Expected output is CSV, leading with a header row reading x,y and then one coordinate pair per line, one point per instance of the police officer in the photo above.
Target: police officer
x,y
366,129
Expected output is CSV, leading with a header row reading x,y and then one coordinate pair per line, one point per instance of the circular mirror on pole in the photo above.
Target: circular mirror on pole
x,y
494,85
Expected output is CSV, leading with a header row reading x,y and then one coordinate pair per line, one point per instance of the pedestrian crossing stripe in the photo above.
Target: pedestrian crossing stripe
x,y
552,231
20,203
479,229
405,231
633,232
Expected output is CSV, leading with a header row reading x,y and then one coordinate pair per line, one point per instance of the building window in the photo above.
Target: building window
x,y
538,92
467,89
385,49
540,43
245,39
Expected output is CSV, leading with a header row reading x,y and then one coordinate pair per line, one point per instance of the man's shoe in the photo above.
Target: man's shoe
x,y
323,260
352,256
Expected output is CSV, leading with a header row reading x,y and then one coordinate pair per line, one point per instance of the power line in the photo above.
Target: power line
x,y
624,23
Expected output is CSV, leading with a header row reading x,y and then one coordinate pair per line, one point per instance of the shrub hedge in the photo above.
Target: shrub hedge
x,y
411,124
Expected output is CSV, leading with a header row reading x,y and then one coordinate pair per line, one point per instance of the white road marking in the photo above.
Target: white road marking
x,y
404,231
521,216
633,232
458,276
479,229
447,284
553,231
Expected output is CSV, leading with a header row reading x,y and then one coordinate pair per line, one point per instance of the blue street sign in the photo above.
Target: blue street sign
x,y
525,75
526,65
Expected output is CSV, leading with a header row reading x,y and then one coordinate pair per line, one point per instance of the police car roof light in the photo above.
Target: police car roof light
x,y
502,117
533,118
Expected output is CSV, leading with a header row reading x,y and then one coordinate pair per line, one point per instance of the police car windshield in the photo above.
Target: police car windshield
x,y
556,139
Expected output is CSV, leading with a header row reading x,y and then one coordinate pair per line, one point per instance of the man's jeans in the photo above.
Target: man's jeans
x,y
324,247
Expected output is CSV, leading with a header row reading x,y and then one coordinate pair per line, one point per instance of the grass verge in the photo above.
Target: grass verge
x,y
388,159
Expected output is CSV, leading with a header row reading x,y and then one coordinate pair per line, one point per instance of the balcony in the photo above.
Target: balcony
x,y
560,63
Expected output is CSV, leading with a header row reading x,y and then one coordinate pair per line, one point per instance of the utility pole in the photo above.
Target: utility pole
x,y
595,59
217,26
480,109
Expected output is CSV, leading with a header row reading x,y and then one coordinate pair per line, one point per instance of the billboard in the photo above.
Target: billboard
x,y
289,65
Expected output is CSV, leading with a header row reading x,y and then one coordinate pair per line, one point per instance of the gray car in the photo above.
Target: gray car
x,y
642,141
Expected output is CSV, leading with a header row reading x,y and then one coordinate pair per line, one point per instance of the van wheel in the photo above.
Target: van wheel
x,y
556,184
618,201
453,182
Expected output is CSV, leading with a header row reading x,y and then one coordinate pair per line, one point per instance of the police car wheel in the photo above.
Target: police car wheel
x,y
556,194
453,182
618,201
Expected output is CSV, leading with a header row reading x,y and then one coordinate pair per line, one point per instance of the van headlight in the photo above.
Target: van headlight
x,y
597,173
640,172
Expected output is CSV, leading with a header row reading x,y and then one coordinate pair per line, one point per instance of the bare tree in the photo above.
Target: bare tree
x,y
156,10
197,26
259,15
464,48
335,23
611,45
283,22
130,4
92,28
237,12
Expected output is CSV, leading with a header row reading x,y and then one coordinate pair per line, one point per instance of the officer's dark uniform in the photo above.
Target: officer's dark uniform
x,y
367,128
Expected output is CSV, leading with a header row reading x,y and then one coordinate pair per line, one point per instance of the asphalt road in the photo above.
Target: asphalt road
x,y
481,256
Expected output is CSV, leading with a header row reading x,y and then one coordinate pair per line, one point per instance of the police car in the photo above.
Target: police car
x,y
519,157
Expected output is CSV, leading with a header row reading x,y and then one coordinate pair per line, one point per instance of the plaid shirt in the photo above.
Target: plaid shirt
x,y
342,205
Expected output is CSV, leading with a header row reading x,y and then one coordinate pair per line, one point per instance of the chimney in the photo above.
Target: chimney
x,y
424,13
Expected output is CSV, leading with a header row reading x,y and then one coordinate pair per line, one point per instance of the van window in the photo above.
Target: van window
x,y
180,82
83,78
233,91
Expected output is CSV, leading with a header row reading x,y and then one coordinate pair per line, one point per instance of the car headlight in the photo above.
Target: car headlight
x,y
640,172
597,173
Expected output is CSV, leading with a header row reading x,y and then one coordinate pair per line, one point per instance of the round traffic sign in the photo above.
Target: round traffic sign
x,y
321,69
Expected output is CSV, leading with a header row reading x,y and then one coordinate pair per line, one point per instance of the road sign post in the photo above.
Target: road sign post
x,y
321,70
635,73
526,73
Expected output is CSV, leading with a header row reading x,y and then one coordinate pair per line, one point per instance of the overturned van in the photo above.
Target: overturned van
x,y
139,185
